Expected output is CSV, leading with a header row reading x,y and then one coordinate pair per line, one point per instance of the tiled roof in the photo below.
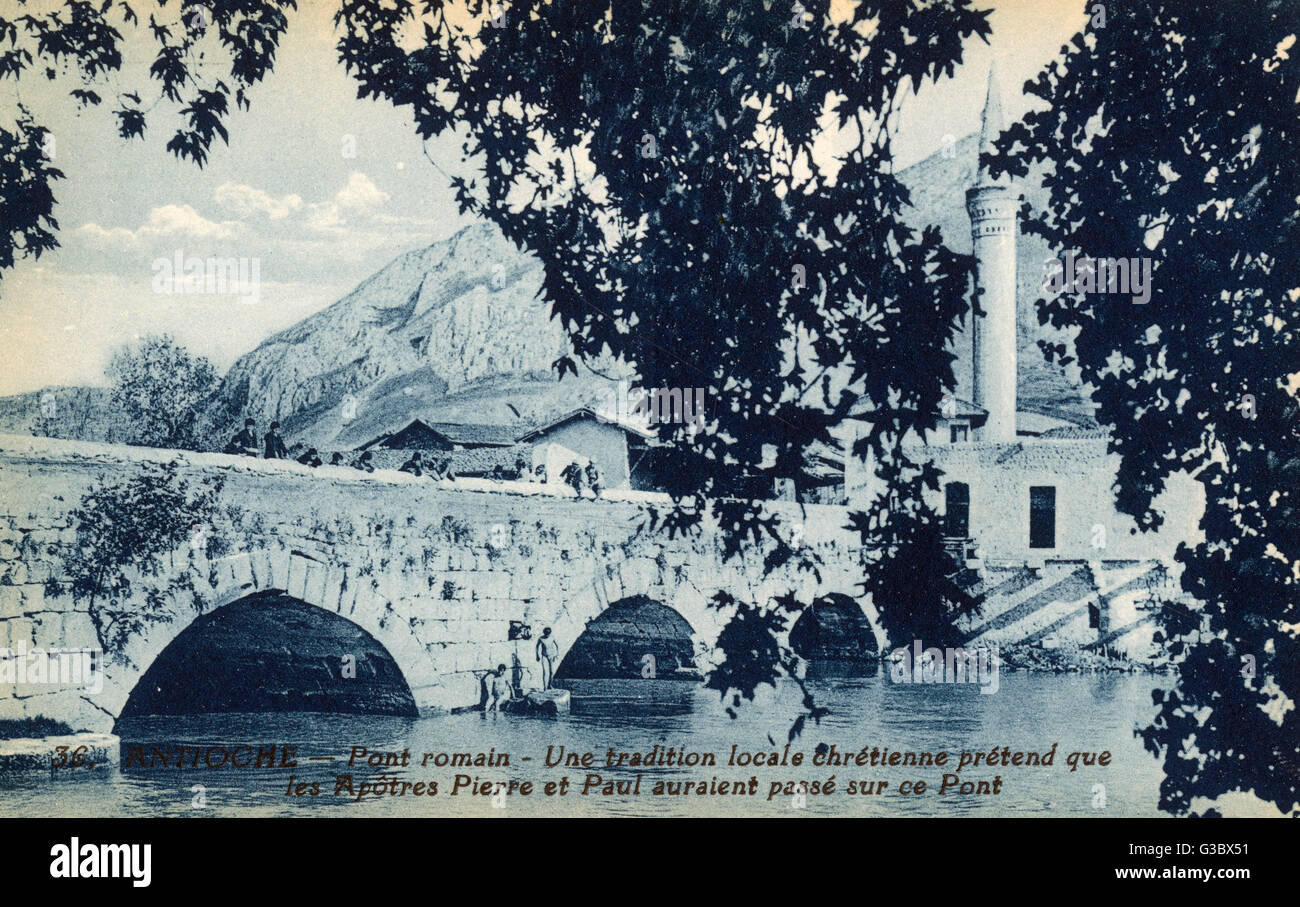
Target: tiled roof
x,y
451,432
819,455
476,433
583,413
1076,431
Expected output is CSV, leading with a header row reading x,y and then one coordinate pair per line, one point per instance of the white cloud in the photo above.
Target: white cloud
x,y
165,221
174,220
110,235
355,202
246,201
360,193
352,229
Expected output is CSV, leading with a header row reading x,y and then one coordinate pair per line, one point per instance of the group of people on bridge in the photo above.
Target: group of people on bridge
x,y
437,466
274,448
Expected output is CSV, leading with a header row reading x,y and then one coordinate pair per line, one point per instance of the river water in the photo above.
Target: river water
x,y
1029,712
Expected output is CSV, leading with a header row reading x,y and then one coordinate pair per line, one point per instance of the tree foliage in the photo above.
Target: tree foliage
x,y
27,221
80,45
125,533
1172,133
162,390
709,186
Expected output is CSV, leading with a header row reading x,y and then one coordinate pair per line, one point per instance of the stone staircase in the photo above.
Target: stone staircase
x,y
1024,604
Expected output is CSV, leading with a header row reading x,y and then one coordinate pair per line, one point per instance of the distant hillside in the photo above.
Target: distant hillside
x,y
454,332
80,414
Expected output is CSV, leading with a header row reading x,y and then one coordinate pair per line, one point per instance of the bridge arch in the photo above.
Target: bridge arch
x,y
836,627
235,659
635,637
632,579
612,582
299,579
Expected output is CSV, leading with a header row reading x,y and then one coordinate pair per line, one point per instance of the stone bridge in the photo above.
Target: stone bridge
x,y
434,573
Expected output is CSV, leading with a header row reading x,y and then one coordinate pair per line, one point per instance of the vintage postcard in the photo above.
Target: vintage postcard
x,y
654,408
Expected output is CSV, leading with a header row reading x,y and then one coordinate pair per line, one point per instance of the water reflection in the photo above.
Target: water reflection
x,y
632,699
1030,712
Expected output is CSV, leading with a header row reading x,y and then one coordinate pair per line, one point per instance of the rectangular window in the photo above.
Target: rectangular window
x,y
1042,516
957,509
959,431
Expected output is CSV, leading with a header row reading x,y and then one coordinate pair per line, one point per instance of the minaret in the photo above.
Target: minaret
x,y
993,205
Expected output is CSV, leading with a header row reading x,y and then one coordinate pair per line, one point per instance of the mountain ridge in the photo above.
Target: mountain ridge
x,y
455,331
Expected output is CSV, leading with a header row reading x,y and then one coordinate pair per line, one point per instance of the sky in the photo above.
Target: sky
x,y
319,190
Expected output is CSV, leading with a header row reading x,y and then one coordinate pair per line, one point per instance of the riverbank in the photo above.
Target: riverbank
x,y
1071,659
1031,711
56,753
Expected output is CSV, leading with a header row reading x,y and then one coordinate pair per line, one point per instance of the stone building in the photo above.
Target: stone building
x,y
585,435
483,450
1028,499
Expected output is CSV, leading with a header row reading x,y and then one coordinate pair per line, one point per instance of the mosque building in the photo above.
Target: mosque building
x,y
1027,499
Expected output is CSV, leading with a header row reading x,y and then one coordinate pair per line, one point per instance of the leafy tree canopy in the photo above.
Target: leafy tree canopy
x,y
79,43
162,391
1172,134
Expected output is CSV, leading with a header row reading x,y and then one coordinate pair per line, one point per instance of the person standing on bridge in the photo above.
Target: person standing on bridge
x,y
414,465
548,650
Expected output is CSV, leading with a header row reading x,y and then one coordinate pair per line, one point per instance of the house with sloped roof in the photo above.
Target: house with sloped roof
x,y
419,434
596,437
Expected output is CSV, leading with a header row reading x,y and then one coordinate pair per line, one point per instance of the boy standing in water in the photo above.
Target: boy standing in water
x,y
499,689
547,651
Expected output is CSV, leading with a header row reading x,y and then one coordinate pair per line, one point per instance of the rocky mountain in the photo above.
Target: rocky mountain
x,y
455,332
428,334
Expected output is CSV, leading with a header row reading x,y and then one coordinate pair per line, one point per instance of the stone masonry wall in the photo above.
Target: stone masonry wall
x,y
1082,472
434,571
